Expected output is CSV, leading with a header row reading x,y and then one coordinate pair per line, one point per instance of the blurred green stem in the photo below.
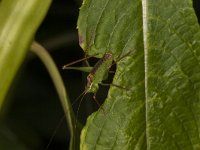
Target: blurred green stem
x,y
42,53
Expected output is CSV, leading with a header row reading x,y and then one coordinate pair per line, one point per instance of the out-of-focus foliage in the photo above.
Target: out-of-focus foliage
x,y
19,21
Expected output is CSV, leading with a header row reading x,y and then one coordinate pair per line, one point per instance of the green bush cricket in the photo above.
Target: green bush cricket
x,y
97,74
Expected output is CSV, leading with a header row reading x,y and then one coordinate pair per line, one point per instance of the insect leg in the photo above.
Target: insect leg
x,y
94,98
111,84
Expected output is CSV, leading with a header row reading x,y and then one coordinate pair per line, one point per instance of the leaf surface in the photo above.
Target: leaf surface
x,y
161,107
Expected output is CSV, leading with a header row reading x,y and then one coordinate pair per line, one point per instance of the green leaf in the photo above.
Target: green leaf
x,y
19,22
161,108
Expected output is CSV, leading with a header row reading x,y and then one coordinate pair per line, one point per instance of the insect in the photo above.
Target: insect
x,y
97,74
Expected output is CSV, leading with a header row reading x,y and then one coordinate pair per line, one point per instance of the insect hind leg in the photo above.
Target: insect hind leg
x,y
111,84
99,105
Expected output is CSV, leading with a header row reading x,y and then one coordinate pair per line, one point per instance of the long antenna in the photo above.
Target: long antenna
x,y
82,96
54,133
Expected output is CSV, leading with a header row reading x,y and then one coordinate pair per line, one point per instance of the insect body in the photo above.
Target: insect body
x,y
98,73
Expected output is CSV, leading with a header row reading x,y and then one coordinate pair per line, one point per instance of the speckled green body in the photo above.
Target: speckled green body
x,y
98,73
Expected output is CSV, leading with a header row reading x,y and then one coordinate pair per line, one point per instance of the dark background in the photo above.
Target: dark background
x,y
34,110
